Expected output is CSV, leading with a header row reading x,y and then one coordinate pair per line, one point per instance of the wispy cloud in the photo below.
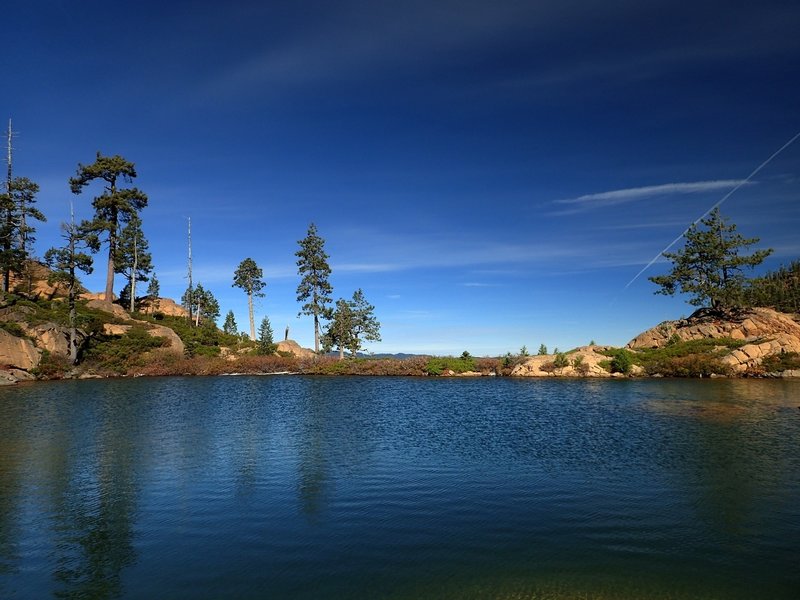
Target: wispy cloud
x,y
625,195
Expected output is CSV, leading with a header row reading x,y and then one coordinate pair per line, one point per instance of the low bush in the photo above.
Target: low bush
x,y
122,354
691,365
12,328
785,361
51,366
439,364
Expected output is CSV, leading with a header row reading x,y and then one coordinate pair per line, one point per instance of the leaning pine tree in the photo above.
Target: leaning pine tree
x,y
710,265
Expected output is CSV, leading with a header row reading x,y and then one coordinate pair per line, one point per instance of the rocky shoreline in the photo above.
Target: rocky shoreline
x,y
759,342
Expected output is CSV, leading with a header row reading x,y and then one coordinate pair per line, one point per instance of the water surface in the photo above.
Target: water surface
x,y
300,487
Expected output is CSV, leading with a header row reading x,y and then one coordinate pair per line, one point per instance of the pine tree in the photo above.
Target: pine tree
x,y
230,326
204,305
113,207
314,289
709,266
365,327
248,276
339,332
154,291
133,259
352,323
266,344
16,231
542,350
64,262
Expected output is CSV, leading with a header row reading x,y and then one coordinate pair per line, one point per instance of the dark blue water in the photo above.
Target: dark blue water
x,y
294,487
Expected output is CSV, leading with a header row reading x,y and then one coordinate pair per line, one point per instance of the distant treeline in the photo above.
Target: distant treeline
x,y
778,289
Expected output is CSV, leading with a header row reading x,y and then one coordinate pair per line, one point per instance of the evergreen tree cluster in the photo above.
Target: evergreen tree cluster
x,y
777,289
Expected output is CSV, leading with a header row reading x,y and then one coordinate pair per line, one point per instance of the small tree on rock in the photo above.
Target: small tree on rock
x,y
230,326
542,350
154,291
266,343
64,262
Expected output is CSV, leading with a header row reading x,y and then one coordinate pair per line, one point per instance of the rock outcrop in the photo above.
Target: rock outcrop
x,y
33,282
588,365
17,353
110,307
765,331
165,306
294,348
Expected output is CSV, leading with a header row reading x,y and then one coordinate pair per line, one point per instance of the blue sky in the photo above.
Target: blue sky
x,y
491,174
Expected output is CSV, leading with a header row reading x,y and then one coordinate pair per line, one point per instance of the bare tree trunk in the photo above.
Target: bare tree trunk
x,y
112,251
316,334
341,352
133,274
252,319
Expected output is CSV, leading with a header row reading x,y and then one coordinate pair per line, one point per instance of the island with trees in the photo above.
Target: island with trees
x,y
51,327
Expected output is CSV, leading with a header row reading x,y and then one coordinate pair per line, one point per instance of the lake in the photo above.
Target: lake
x,y
303,487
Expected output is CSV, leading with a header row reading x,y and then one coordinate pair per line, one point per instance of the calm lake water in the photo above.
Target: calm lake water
x,y
296,487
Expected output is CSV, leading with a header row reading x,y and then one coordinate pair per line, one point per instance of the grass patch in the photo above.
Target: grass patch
x,y
691,358
439,364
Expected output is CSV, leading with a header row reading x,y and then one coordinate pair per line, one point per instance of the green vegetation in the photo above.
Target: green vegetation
x,y
352,323
266,345
16,233
542,350
785,361
693,358
12,328
441,364
579,365
561,361
709,266
230,326
119,354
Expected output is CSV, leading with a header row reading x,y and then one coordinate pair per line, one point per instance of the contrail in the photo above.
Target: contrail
x,y
718,203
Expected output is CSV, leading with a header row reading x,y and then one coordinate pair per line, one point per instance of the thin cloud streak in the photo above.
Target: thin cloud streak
x,y
625,195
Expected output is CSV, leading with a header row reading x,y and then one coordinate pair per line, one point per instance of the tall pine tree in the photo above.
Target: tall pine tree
x,y
249,277
314,289
113,207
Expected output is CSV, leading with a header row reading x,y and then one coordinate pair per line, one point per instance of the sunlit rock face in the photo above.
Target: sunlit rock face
x,y
767,332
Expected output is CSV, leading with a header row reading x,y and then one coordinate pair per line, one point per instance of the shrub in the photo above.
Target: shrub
x,y
560,361
51,366
691,365
580,367
119,354
12,328
438,365
785,361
